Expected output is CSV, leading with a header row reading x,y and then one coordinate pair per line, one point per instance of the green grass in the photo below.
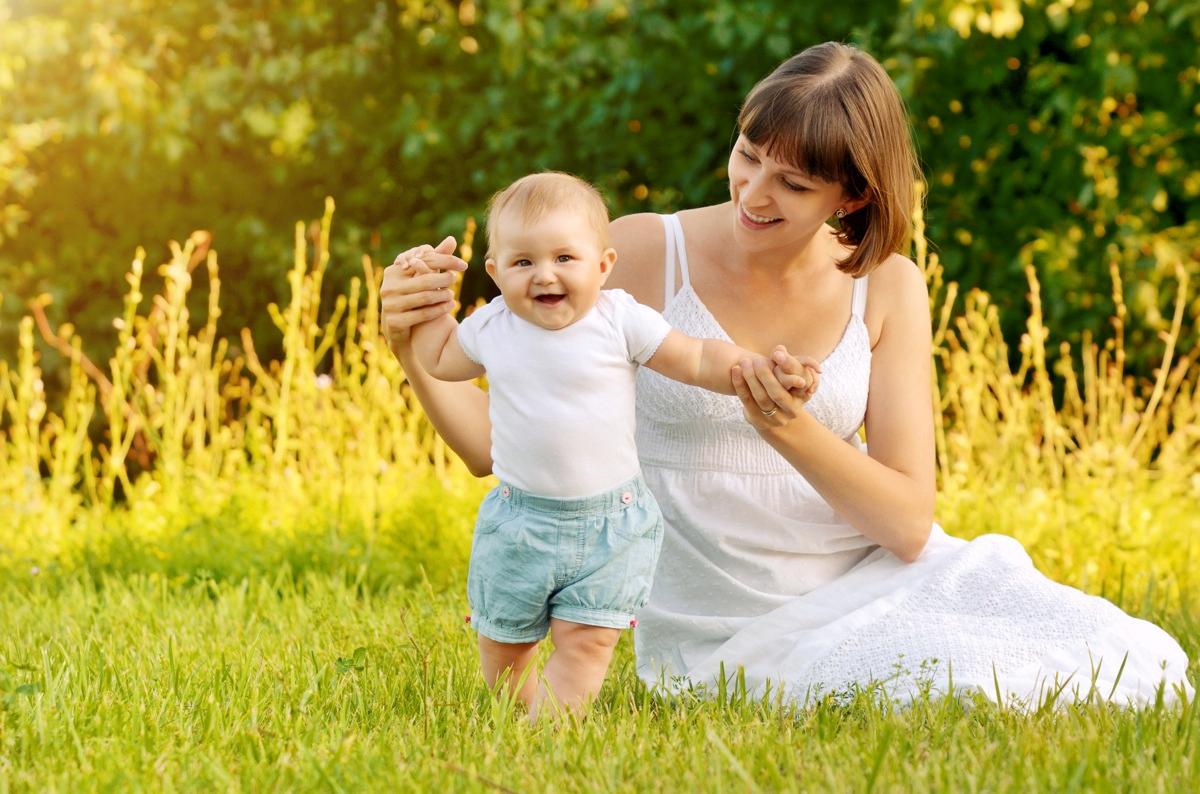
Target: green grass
x,y
145,643
320,683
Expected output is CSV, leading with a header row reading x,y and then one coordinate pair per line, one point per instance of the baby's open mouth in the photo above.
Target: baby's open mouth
x,y
550,300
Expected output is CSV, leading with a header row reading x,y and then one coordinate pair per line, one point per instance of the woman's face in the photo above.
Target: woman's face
x,y
778,206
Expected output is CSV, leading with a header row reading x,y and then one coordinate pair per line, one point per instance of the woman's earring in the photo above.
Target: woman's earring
x,y
839,214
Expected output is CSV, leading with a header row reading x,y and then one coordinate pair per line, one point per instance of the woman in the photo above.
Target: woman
x,y
791,550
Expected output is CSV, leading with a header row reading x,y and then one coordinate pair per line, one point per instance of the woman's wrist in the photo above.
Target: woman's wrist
x,y
402,348
792,436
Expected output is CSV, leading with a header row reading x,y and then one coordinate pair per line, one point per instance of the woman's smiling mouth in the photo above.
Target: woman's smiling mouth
x,y
752,221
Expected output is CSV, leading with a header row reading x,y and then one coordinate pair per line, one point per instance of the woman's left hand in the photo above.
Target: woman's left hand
x,y
773,391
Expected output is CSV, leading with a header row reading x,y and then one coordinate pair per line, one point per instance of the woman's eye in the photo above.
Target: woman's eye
x,y
794,188
747,155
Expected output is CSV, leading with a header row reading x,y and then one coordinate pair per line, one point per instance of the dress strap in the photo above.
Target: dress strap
x,y
673,231
858,300
681,251
668,262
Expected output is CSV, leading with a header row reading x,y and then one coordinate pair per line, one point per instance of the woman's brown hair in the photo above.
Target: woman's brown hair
x,y
832,112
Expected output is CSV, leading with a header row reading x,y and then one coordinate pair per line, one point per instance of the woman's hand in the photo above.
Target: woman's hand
x,y
411,293
773,390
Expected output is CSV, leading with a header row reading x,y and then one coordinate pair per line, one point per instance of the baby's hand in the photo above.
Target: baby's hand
x,y
773,389
413,265
800,375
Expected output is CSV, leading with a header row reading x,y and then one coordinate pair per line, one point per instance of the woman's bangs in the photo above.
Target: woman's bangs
x,y
804,130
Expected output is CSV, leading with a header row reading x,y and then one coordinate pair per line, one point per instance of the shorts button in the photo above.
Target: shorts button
x,y
626,497
505,492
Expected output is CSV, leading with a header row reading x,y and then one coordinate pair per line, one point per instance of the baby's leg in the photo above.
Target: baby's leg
x,y
575,671
510,660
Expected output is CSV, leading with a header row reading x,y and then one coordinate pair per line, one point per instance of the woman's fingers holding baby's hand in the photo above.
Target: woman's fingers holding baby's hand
x,y
440,257
415,266
741,387
773,390
768,395
792,382
793,365
399,281
780,397
814,380
417,287
762,412
797,374
407,300
808,362
404,258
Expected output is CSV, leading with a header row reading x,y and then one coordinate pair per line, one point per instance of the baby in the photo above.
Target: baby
x,y
568,542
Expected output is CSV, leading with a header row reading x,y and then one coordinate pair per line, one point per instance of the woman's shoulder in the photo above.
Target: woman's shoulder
x,y
639,240
896,293
898,272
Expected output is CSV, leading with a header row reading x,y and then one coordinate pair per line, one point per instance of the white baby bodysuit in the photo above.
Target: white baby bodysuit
x,y
561,402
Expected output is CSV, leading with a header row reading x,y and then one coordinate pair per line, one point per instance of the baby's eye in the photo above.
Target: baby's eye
x,y
564,258
522,263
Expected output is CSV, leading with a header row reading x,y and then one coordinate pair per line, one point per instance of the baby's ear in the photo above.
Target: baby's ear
x,y
608,260
490,266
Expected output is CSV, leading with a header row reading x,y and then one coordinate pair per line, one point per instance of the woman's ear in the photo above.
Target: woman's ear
x,y
852,205
608,260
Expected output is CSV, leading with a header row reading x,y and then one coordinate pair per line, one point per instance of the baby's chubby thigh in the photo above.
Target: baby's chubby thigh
x,y
616,553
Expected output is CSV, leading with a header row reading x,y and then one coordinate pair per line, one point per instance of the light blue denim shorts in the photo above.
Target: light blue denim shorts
x,y
588,560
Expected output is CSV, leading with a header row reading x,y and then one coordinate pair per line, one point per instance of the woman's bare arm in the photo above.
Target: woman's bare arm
x,y
458,411
889,494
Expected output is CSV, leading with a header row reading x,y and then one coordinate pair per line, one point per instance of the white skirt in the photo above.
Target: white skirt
x,y
964,616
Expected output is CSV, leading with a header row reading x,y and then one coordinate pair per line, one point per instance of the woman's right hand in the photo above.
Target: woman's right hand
x,y
774,390
409,298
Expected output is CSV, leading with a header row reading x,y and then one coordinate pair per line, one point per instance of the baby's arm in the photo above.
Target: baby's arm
x,y
435,344
707,363
698,362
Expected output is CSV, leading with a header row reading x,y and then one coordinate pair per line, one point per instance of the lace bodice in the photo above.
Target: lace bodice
x,y
681,426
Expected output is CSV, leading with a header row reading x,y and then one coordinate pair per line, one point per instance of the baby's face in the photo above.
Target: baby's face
x,y
550,271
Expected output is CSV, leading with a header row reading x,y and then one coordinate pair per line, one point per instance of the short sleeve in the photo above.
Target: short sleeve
x,y
470,330
643,328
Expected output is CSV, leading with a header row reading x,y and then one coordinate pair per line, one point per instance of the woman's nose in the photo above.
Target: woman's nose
x,y
755,190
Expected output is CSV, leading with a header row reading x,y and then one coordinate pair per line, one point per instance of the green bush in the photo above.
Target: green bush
x,y
1069,126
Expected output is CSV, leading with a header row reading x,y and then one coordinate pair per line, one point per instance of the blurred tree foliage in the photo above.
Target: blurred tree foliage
x,y
1065,132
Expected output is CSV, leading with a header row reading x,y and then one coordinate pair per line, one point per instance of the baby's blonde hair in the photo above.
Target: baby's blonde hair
x,y
536,195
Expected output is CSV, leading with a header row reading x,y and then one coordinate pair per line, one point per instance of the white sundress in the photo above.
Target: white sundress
x,y
758,572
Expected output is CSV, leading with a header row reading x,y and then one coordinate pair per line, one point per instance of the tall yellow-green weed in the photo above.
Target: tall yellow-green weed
x,y
214,461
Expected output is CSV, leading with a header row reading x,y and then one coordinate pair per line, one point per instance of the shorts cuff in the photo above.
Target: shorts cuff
x,y
606,618
493,632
